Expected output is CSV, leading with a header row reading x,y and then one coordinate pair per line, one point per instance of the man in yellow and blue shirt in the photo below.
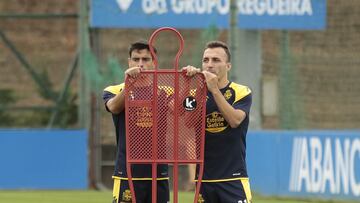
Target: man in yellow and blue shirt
x,y
228,104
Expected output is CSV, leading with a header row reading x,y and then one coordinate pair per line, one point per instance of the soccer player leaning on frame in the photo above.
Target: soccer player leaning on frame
x,y
227,118
114,98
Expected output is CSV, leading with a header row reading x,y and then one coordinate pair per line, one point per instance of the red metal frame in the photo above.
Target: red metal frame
x,y
154,161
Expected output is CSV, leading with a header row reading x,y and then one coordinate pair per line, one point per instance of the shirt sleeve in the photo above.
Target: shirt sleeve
x,y
106,97
244,104
111,92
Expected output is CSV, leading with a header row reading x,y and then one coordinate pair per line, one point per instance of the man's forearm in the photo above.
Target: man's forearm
x,y
233,116
117,103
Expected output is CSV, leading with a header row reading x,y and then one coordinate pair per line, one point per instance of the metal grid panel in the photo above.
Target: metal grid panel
x,y
190,121
177,129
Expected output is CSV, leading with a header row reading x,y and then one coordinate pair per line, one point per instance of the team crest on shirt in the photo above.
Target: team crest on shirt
x,y
200,199
227,94
215,122
126,195
143,117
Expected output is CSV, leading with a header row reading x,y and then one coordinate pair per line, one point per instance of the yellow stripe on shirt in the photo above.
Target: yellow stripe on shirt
x,y
241,91
115,89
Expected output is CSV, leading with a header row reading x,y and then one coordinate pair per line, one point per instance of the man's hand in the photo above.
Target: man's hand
x,y
191,70
211,81
133,71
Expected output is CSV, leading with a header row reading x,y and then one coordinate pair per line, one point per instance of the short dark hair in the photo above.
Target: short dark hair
x,y
219,44
139,45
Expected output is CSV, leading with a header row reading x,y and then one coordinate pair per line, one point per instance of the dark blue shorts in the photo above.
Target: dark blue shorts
x,y
236,191
143,189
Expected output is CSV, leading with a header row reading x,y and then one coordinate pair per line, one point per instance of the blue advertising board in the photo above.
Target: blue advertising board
x,y
320,164
252,14
43,159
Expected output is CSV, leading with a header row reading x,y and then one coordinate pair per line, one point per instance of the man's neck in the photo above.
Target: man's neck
x,y
223,83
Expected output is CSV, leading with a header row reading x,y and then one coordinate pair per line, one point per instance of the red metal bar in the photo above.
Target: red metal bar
x,y
128,165
176,138
155,156
202,156
202,151
181,48
154,139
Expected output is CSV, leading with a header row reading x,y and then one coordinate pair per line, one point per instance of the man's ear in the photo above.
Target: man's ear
x,y
228,66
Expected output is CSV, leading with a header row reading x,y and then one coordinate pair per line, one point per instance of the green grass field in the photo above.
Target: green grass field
x,y
90,196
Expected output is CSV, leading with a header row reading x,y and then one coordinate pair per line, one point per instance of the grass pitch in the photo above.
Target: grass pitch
x,y
91,196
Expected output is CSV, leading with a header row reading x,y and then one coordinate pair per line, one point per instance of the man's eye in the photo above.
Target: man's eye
x,y
136,59
146,59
